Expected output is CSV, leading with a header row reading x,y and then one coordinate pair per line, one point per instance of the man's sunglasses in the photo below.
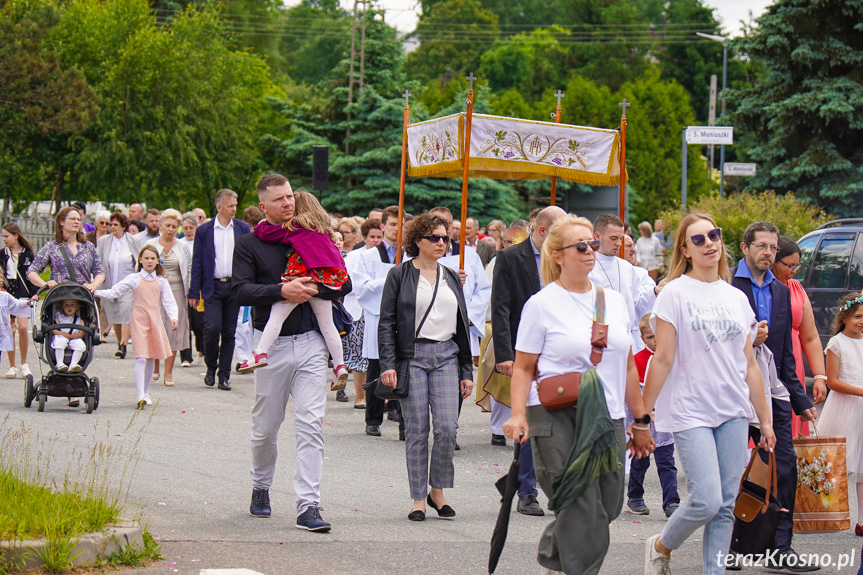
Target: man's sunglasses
x,y
434,238
714,235
582,246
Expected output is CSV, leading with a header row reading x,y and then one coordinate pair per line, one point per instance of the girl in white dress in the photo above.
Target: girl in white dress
x,y
843,411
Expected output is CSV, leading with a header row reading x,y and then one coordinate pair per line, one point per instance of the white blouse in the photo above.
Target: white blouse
x,y
121,262
440,325
131,282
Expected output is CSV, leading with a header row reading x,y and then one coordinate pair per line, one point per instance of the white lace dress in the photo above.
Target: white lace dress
x,y
843,414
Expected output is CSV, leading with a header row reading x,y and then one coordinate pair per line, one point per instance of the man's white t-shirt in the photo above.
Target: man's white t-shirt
x,y
557,325
707,383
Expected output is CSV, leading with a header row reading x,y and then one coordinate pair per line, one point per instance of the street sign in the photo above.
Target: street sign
x,y
710,135
739,169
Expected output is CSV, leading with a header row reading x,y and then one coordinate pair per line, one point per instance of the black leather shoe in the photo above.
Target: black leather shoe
x,y
417,515
121,352
341,396
210,378
457,446
260,506
393,415
401,434
224,384
374,430
445,511
499,440
237,367
528,505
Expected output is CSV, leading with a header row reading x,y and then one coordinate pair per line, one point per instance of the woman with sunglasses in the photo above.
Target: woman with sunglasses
x,y
704,382
424,320
804,334
554,338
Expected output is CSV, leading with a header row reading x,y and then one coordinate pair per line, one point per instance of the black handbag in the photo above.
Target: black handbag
x,y
756,512
400,391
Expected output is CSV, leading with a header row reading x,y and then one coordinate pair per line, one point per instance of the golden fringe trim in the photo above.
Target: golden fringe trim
x,y
496,169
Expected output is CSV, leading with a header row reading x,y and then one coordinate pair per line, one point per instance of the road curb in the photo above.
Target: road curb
x,y
87,550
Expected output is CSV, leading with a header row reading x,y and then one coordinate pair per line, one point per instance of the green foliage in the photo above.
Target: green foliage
x,y
448,34
805,115
734,213
653,144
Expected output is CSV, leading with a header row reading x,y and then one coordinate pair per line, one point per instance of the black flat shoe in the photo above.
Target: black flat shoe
x,y
121,352
445,511
417,515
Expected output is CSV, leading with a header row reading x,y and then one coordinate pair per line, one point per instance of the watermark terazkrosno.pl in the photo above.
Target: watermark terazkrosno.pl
x,y
771,558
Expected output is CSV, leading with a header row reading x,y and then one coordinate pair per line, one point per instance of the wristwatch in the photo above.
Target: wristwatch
x,y
645,419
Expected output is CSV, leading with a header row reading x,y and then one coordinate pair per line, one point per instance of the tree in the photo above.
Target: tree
x,y
660,109
40,100
181,111
806,114
449,36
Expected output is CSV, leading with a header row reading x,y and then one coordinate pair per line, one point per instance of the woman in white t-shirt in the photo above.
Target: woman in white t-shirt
x,y
554,338
704,382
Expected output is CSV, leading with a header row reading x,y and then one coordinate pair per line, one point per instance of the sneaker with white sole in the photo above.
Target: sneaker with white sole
x,y
655,563
311,520
186,364
13,373
25,370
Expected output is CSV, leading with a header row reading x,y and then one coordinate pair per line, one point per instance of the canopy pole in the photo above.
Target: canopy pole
x,y
470,78
622,202
559,95
406,95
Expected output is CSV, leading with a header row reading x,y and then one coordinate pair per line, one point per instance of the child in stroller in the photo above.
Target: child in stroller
x,y
69,313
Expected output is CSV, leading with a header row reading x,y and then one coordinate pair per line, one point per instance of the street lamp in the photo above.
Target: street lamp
x,y
721,39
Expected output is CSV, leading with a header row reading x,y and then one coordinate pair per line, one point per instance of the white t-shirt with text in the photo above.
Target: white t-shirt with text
x,y
706,385
557,325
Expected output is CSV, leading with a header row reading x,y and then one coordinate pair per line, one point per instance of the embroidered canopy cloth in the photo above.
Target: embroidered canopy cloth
x,y
513,149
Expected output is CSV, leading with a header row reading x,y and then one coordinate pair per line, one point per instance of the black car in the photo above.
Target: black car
x,y
831,265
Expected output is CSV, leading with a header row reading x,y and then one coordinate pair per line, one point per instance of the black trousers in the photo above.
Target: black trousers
x,y
375,406
196,333
220,323
786,470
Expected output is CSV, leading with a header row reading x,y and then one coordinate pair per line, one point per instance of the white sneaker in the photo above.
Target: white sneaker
x,y
13,373
25,370
147,400
655,563
186,364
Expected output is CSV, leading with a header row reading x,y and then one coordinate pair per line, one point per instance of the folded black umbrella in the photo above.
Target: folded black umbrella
x,y
508,486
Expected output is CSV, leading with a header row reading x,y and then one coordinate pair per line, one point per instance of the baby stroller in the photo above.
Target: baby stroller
x,y
65,383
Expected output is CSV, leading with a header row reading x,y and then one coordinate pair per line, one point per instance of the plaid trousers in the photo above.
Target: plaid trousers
x,y
434,386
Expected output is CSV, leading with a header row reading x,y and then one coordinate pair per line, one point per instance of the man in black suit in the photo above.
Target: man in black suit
x,y
771,301
516,279
212,265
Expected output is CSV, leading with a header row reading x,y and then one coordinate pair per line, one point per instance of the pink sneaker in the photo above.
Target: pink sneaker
x,y
341,373
257,360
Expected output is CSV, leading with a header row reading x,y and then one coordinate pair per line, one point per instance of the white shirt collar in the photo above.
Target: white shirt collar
x,y
149,276
218,224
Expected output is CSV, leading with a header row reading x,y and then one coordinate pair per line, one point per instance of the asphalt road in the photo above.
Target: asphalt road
x,y
190,486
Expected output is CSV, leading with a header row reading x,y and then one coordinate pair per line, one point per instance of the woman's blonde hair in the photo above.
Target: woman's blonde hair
x,y
554,242
645,226
171,214
159,271
680,264
309,214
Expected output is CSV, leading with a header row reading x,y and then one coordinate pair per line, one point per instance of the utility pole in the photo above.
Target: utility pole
x,y
363,49
351,75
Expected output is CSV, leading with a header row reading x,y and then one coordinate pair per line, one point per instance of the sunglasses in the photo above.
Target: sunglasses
x,y
434,238
714,235
582,246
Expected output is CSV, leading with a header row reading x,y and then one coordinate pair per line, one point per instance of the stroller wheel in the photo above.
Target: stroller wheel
x,y
91,403
43,397
95,388
29,391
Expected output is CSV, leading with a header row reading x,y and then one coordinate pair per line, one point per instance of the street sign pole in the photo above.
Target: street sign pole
x,y
683,177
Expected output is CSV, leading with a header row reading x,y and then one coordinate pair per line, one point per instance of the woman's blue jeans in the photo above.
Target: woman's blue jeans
x,y
714,460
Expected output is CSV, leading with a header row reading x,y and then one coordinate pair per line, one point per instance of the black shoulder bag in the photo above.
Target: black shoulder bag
x,y
400,391
64,251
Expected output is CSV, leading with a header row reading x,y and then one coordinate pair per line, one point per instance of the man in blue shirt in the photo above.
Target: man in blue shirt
x,y
771,302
